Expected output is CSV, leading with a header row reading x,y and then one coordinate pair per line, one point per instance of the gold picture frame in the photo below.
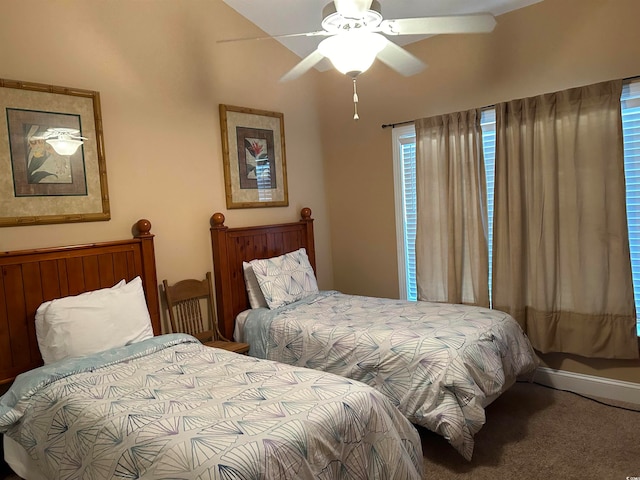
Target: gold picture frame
x,y
253,151
38,185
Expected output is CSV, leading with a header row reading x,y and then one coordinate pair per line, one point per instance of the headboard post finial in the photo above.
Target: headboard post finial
x,y
217,220
305,213
143,227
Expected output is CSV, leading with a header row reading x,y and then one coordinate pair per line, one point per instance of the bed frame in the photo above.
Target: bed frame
x,y
232,246
30,277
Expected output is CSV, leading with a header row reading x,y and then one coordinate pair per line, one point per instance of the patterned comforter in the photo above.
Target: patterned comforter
x,y
440,364
170,408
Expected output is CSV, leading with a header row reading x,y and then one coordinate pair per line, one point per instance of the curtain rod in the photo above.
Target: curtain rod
x,y
394,125
407,122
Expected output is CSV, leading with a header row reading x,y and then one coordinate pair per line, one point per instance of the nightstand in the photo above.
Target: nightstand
x,y
236,347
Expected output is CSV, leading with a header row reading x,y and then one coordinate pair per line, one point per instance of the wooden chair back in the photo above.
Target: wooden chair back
x,y
185,301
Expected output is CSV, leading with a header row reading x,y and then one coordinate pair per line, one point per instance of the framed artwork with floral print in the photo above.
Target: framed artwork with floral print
x,y
253,151
42,185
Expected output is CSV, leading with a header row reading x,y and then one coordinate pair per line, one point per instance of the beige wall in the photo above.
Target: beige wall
x,y
546,47
161,76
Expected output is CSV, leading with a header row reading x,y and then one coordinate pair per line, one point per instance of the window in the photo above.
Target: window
x,y
404,139
404,172
631,136
488,126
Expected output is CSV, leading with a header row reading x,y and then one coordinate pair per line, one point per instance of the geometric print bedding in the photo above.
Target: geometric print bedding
x,y
170,408
440,364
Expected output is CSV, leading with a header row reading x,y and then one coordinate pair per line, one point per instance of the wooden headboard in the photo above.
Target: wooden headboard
x,y
31,277
232,246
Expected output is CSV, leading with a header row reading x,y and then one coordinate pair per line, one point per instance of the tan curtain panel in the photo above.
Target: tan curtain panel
x,y
561,263
451,238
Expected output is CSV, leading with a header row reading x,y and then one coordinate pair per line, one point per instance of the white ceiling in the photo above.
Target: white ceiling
x,y
278,17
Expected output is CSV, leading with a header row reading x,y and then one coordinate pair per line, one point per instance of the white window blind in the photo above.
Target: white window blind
x,y
488,126
631,135
406,208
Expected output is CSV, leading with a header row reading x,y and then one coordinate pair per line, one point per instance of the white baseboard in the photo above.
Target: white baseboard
x,y
589,385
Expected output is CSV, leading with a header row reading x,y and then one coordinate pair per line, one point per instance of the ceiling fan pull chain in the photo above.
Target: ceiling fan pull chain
x,y
355,101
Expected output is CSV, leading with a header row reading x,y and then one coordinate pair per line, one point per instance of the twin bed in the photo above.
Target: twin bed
x,y
166,406
331,388
440,364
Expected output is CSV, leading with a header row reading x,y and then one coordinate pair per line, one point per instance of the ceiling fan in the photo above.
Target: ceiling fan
x,y
356,29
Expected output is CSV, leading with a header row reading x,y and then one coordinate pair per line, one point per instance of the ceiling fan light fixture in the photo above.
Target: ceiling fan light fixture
x,y
355,36
354,52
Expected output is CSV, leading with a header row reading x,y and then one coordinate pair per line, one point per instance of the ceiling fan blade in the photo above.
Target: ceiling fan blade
x,y
306,64
286,35
477,23
400,60
352,8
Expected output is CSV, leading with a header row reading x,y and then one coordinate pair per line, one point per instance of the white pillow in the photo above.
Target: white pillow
x,y
93,321
42,329
256,298
285,279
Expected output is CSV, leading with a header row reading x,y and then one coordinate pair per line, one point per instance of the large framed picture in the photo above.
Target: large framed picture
x,y
41,182
253,150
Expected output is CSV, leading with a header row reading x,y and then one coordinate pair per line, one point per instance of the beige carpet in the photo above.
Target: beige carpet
x,y
533,432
